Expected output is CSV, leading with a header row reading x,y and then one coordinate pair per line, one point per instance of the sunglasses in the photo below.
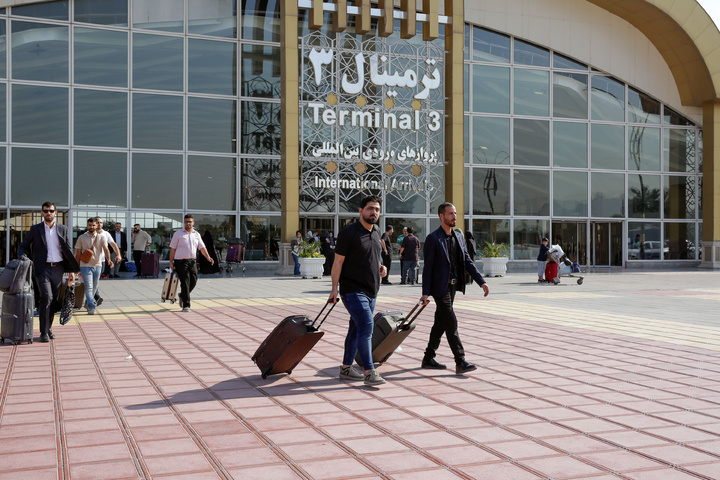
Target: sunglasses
x,y
48,211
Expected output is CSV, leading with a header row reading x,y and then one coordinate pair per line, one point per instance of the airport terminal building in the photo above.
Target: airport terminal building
x,y
591,122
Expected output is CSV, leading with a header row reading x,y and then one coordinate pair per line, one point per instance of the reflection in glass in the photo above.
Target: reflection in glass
x,y
607,149
212,125
532,142
260,183
37,174
491,191
3,48
3,112
220,227
642,108
529,54
261,235
490,46
466,137
644,148
88,168
212,67
570,194
679,151
51,10
3,180
527,237
157,121
491,89
39,114
260,123
100,118
163,15
644,241
491,140
644,196
679,196
570,98
160,227
532,92
261,71
466,87
680,242
608,99
671,117
102,12
157,62
212,17
561,61
157,181
101,57
570,145
532,192
607,195
39,52
491,230
261,20
211,183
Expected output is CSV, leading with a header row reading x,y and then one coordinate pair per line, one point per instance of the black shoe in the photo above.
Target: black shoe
x,y
51,335
98,302
464,367
44,338
136,275
403,283
386,283
433,364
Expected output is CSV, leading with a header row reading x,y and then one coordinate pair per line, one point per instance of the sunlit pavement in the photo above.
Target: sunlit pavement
x,y
616,378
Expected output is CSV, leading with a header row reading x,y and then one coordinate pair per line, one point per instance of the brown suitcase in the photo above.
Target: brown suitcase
x,y
391,329
288,343
169,289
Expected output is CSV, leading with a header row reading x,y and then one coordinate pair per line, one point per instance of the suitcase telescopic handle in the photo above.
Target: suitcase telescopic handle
x,y
332,305
413,315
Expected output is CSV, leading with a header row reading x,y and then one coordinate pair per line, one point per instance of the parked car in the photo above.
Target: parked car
x,y
651,250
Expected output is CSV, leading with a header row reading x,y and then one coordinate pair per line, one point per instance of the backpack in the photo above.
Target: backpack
x,y
16,277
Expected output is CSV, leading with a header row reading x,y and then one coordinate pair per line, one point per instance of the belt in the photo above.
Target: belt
x,y
53,264
453,281
185,259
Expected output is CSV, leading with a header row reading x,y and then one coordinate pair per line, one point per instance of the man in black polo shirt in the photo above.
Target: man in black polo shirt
x,y
358,270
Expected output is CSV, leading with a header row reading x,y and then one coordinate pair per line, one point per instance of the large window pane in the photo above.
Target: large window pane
x,y
212,125
261,71
570,145
3,180
561,61
680,241
532,192
642,108
3,48
160,227
645,242
99,179
490,46
679,152
607,147
163,15
212,17
157,121
491,140
491,230
261,20
211,183
679,195
261,235
3,112
607,195
39,114
39,52
100,118
532,92
491,89
527,237
531,142
529,54
260,128
220,227
39,174
102,12
644,148
261,185
157,62
101,57
212,67
491,191
570,95
608,99
570,194
157,181
51,10
671,117
644,196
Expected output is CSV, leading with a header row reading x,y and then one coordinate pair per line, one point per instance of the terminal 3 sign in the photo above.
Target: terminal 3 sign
x,y
371,117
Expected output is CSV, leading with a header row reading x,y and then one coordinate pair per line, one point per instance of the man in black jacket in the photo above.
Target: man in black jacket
x,y
52,256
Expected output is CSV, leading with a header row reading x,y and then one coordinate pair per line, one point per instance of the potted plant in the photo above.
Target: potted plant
x,y
311,260
494,258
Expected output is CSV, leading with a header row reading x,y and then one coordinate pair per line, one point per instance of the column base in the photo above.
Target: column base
x,y
286,265
711,255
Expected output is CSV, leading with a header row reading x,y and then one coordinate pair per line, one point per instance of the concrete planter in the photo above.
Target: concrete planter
x,y
311,267
494,266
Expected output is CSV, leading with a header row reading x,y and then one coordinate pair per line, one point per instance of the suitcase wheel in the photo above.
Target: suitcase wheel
x,y
2,339
264,375
172,301
30,341
289,372
580,281
163,300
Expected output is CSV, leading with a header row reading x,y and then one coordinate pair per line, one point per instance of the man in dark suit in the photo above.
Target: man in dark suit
x,y
446,262
52,256
121,240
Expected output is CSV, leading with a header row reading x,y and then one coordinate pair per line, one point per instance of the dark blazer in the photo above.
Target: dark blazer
x,y
35,241
123,243
436,270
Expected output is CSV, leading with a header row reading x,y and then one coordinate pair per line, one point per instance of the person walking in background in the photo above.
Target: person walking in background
x,y
91,267
409,256
207,267
357,270
114,250
542,258
387,252
295,251
328,251
184,246
446,260
121,240
140,241
48,243
398,242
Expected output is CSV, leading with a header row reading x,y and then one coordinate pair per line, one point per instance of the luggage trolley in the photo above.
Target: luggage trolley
x,y
565,267
235,255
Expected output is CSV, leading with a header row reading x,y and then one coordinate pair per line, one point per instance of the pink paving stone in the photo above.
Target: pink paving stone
x,y
431,439
158,432
523,449
640,421
709,469
579,444
233,441
19,431
104,471
295,435
407,426
274,472
326,469
488,434
167,447
186,463
664,474
352,430
432,410
561,467
34,474
247,457
21,460
677,454
462,455
149,420
47,407
434,474
190,476
280,423
512,417
621,461
682,434
375,445
98,453
87,413
687,418
220,428
401,462
460,421
591,425
496,471
313,451
542,430
632,439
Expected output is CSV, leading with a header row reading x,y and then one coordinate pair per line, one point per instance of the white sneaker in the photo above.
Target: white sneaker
x,y
185,309
373,378
349,373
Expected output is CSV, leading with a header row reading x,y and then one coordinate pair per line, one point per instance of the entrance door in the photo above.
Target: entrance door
x,y
572,237
606,242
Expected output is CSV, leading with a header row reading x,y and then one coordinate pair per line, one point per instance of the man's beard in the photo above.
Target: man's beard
x,y
370,220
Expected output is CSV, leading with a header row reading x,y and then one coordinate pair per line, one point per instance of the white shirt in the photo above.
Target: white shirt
x,y
109,239
118,237
186,244
52,241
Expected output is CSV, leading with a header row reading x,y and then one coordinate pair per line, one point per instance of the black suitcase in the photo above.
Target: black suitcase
x,y
150,265
288,343
17,317
391,329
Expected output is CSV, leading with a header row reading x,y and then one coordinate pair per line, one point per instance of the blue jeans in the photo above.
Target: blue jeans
x,y
297,263
359,336
409,267
91,277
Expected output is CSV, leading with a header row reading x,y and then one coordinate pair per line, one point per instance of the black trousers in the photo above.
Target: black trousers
x,y
137,257
387,261
49,282
187,273
445,322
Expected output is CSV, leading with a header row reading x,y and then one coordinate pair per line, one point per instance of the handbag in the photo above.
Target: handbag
x,y
68,302
86,255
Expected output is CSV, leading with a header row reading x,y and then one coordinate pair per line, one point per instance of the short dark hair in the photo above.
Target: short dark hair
x,y
136,225
299,231
388,228
48,205
368,199
92,220
189,215
545,239
443,206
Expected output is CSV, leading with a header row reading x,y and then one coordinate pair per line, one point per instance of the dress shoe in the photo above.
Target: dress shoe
x,y
99,301
51,335
433,364
464,367
44,338
403,283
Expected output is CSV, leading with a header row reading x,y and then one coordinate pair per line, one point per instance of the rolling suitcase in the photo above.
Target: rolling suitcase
x,y
288,343
79,293
169,289
391,329
17,317
150,265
